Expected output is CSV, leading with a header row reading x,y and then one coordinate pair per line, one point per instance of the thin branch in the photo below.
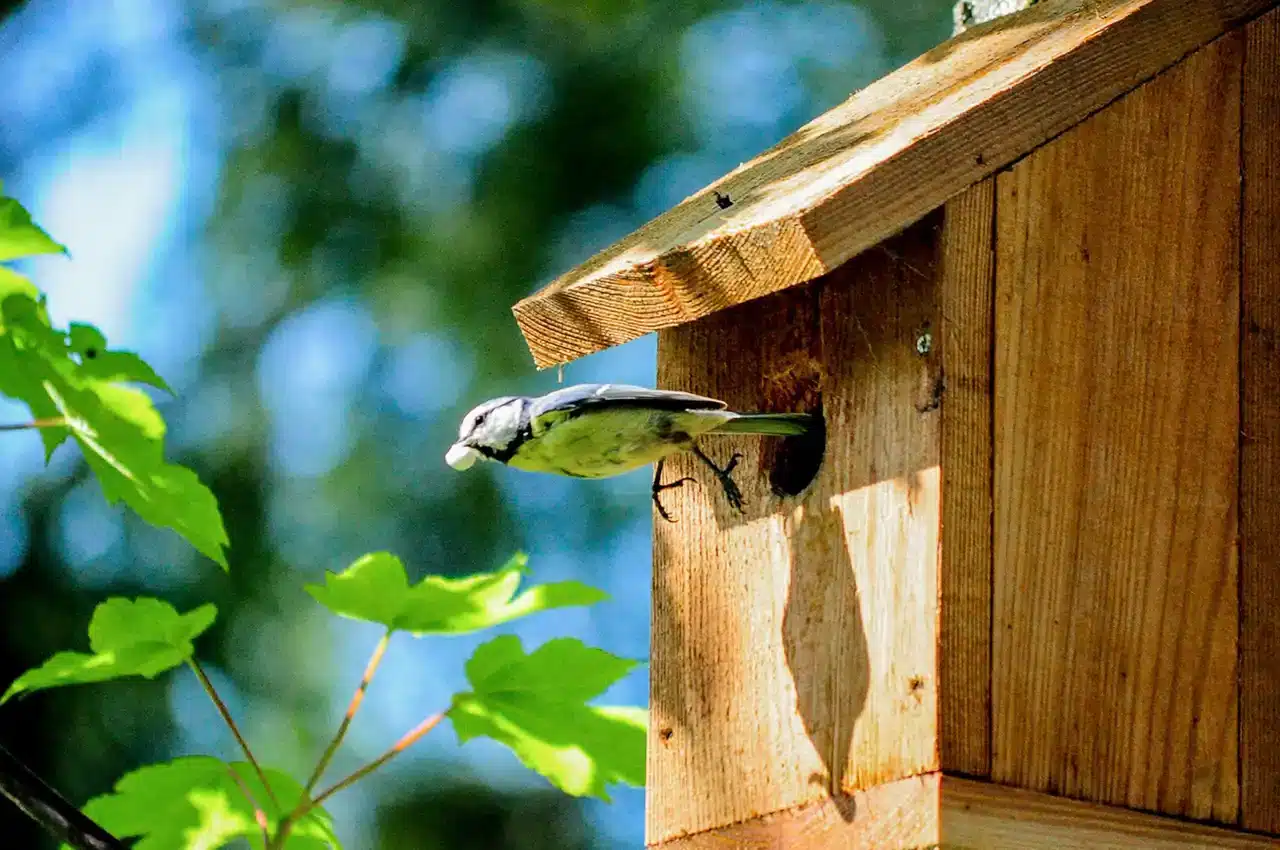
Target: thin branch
x,y
46,807
408,740
258,814
235,730
358,697
55,422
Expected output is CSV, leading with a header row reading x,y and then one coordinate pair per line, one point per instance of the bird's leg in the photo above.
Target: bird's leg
x,y
725,476
658,487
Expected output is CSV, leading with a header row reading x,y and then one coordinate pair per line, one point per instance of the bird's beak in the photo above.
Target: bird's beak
x,y
461,457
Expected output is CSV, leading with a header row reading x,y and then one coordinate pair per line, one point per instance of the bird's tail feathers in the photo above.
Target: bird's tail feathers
x,y
769,424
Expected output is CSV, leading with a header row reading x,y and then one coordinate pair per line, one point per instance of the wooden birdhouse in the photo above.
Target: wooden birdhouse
x,y
1031,598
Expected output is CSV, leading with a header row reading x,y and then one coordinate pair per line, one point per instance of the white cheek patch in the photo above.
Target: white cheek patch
x,y
501,426
461,457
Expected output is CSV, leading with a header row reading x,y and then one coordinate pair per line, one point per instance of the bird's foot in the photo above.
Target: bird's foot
x,y
725,477
658,487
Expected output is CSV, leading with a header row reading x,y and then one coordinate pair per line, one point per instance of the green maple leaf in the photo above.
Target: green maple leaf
x,y
194,803
536,704
20,236
74,375
100,363
138,637
121,436
376,589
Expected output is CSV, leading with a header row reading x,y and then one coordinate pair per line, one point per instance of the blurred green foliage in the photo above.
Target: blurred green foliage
x,y
346,195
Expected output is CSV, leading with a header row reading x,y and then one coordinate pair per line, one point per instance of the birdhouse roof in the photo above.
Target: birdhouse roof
x,y
871,166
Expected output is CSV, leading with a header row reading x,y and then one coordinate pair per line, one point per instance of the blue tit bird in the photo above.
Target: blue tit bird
x,y
601,430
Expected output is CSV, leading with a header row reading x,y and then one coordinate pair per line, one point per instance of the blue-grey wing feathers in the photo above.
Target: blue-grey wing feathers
x,y
619,395
571,401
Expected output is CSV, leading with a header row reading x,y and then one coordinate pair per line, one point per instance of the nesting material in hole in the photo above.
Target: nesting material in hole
x,y
798,459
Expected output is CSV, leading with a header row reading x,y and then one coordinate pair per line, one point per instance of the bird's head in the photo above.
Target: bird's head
x,y
488,431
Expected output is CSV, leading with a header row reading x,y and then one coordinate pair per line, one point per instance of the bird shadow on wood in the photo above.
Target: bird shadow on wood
x,y
825,642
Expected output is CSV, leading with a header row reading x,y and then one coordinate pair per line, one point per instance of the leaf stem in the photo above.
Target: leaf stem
x,y
54,422
407,740
356,699
258,814
235,730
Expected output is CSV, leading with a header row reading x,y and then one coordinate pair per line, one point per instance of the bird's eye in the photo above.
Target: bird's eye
x,y
476,422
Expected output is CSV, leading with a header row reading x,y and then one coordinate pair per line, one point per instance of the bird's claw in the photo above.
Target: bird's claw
x,y
658,487
730,487
725,477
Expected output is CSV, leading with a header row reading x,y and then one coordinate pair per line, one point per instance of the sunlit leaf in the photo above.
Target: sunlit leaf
x,y
376,588
138,637
76,377
536,704
20,236
102,364
194,803
120,434
12,283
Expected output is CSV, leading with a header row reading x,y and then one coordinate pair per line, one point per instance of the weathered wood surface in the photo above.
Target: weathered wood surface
x,y
1260,433
964,333
865,170
1116,426
789,639
901,815
981,816
799,649
934,811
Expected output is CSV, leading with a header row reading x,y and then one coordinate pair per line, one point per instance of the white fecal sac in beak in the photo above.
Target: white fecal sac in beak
x,y
461,457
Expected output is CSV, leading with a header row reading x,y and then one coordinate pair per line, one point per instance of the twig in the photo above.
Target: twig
x,y
46,807
352,708
235,730
258,814
55,422
408,740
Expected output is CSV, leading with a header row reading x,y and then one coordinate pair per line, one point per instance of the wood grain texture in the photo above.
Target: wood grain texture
x,y
1116,422
982,816
902,815
865,170
965,306
936,811
794,647
1260,432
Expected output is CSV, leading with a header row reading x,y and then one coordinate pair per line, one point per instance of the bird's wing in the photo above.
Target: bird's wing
x,y
571,401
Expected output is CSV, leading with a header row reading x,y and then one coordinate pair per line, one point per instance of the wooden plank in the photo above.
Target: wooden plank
x,y
995,817
900,815
885,477
1260,432
935,811
727,739
1116,421
794,646
866,169
966,286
